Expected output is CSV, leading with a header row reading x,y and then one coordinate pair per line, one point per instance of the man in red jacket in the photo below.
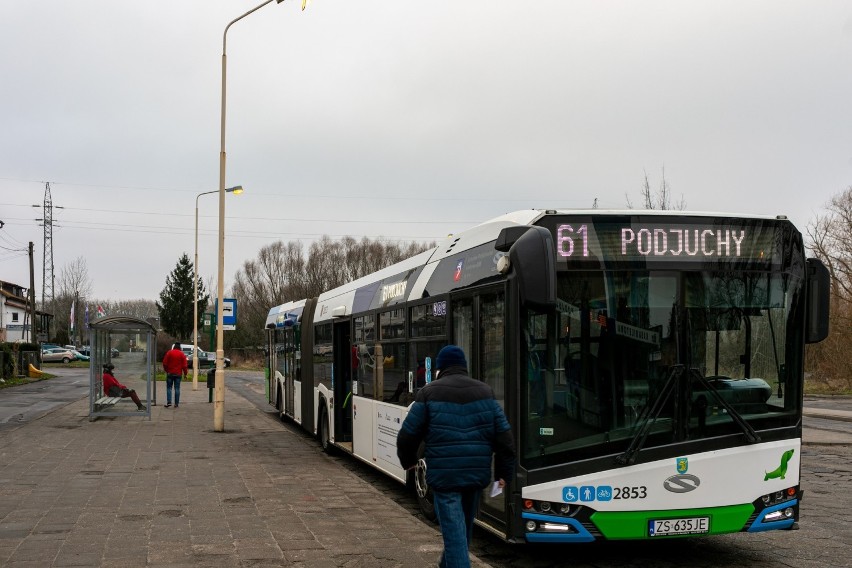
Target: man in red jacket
x,y
175,366
114,388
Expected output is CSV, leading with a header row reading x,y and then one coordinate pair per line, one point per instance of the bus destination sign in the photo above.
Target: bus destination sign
x,y
661,243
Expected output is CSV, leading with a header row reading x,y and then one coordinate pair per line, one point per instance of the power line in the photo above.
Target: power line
x,y
13,244
307,193
11,255
242,218
171,230
238,233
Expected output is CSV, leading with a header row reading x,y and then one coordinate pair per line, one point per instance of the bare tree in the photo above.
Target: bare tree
x,y
326,266
830,241
74,277
282,273
142,309
73,287
275,277
829,238
661,199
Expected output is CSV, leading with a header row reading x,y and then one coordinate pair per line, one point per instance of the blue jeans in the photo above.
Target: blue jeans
x,y
455,511
173,381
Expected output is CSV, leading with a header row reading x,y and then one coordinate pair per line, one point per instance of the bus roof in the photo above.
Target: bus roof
x,y
416,271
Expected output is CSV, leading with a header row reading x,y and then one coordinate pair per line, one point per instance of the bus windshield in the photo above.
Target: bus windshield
x,y
598,363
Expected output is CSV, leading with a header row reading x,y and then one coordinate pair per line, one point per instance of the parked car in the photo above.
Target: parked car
x,y
205,359
86,350
56,355
79,356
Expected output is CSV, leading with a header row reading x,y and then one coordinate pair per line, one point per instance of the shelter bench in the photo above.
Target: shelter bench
x,y
107,401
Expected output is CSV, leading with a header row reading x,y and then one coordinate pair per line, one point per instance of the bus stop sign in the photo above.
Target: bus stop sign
x,y
229,313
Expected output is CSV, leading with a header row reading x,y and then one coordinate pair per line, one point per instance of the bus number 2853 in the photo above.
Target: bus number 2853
x,y
629,492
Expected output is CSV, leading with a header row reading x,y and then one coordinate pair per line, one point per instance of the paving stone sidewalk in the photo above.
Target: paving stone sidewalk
x,y
128,491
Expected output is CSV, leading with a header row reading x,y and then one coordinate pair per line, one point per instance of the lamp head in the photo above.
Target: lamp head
x,y
236,190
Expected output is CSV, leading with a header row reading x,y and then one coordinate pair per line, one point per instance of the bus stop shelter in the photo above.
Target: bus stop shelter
x,y
135,369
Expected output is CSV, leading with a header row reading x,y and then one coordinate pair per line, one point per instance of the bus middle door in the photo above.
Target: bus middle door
x,y
342,382
290,346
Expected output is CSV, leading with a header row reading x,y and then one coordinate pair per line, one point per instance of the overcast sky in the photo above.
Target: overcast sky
x,y
400,119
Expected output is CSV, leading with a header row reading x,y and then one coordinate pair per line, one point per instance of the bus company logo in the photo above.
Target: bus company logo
x,y
682,483
458,274
682,465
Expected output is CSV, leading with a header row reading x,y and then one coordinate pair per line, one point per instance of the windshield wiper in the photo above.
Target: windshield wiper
x,y
675,373
629,456
750,433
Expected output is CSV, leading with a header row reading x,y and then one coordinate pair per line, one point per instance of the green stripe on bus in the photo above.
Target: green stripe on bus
x,y
634,524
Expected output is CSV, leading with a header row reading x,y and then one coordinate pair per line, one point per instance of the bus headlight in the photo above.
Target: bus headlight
x,y
781,515
531,526
555,527
774,516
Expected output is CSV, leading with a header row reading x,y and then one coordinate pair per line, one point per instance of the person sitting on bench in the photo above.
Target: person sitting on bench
x,y
114,388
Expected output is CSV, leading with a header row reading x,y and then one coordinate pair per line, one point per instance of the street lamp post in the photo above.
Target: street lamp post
x,y
236,190
219,389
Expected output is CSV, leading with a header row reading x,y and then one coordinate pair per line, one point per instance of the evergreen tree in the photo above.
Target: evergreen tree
x,y
176,301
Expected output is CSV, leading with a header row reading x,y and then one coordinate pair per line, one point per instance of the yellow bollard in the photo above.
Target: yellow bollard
x,y
35,373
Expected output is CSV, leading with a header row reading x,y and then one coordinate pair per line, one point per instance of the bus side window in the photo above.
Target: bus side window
x,y
366,368
363,357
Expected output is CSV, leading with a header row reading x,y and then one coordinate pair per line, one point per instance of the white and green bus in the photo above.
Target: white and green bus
x,y
650,364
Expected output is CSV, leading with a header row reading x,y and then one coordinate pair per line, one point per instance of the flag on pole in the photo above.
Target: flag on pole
x,y
101,312
87,315
72,317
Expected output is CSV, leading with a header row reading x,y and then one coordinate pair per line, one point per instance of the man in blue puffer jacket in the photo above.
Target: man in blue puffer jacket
x,y
462,426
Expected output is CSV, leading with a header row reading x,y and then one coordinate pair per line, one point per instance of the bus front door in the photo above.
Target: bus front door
x,y
342,383
479,328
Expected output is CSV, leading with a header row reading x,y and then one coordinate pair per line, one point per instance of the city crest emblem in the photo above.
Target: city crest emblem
x,y
682,465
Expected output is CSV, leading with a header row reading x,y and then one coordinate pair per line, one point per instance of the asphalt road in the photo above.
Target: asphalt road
x,y
24,403
824,538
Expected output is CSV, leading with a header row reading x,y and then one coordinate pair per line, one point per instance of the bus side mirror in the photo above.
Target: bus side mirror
x,y
818,301
531,258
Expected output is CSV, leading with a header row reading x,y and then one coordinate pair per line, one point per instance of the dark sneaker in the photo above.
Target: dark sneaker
x,y
168,405
177,406
141,408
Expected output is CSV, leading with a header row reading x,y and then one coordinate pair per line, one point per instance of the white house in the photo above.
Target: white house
x,y
14,316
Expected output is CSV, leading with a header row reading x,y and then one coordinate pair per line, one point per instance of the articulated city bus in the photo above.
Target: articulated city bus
x,y
650,364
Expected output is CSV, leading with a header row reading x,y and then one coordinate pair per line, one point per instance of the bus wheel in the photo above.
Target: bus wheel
x,y
425,499
324,437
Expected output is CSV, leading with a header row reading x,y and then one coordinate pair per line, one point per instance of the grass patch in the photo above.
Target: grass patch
x,y
161,376
71,365
823,389
14,382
